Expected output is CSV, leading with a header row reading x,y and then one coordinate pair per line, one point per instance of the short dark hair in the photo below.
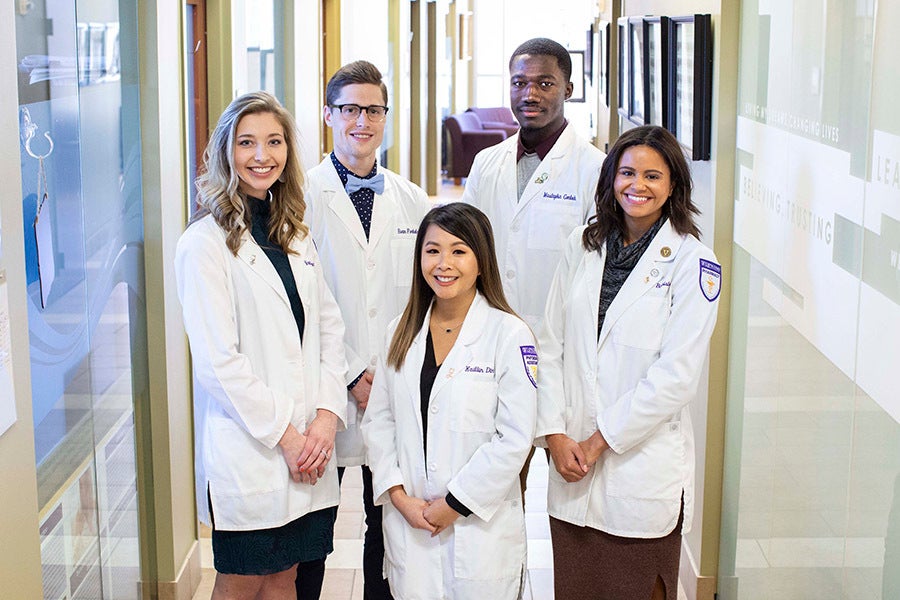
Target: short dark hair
x,y
360,71
546,47
679,208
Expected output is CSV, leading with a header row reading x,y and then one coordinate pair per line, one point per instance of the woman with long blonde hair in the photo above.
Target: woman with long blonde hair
x,y
266,342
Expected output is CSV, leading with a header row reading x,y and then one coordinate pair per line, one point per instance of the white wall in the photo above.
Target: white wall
x,y
566,22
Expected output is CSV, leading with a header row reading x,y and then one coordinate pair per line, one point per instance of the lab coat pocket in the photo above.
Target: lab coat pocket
x,y
652,470
474,406
237,464
551,223
402,249
492,549
642,325
395,527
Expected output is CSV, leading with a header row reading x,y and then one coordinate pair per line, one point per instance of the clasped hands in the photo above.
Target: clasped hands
x,y
434,516
307,453
574,459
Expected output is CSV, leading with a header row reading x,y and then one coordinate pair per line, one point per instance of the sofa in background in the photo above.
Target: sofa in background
x,y
468,133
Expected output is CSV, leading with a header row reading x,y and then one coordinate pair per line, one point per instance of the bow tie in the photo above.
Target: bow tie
x,y
354,183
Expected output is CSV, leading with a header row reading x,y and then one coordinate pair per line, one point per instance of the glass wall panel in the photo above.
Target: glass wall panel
x,y
81,195
263,35
811,504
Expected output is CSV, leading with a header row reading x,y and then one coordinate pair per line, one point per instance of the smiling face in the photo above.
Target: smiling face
x,y
449,266
356,141
538,91
642,186
260,153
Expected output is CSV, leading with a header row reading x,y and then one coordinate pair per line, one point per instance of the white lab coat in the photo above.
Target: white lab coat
x,y
370,279
530,233
480,425
253,376
634,384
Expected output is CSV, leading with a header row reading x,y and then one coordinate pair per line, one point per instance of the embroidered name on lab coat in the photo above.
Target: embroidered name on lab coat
x,y
558,196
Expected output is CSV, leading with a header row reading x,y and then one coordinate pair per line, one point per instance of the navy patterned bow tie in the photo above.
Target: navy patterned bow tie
x,y
354,183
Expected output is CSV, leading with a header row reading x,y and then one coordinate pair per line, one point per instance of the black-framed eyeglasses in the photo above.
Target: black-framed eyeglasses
x,y
350,112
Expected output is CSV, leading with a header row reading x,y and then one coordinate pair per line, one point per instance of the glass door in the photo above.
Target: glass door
x,y
81,198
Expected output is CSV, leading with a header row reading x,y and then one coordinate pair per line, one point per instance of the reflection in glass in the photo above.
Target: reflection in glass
x,y
684,82
87,341
655,73
637,74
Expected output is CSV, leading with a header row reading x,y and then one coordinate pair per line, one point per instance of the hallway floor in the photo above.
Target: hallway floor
x,y
343,574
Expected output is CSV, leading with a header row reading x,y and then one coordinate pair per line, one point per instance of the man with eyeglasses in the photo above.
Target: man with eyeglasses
x,y
364,219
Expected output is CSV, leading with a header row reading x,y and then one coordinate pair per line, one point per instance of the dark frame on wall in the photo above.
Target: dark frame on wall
x,y
637,106
603,58
690,71
589,55
658,101
624,73
578,78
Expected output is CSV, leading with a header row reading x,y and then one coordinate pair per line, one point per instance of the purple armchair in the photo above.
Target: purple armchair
x,y
466,135
499,117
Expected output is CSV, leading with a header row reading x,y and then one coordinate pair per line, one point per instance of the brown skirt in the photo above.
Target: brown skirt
x,y
589,564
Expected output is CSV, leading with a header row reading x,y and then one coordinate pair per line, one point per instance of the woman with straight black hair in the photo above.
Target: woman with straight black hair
x,y
451,419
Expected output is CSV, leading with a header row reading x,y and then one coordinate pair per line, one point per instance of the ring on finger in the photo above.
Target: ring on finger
x,y
324,451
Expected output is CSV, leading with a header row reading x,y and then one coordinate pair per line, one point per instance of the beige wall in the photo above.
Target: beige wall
x,y
20,561
169,430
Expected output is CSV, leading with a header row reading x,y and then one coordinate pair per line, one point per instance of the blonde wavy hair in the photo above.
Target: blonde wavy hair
x,y
217,186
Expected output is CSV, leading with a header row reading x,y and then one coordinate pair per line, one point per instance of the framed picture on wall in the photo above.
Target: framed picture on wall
x,y
637,100
690,61
589,56
602,37
624,75
578,82
656,63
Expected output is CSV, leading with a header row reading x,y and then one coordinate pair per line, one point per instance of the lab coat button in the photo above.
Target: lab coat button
x,y
510,274
370,265
373,361
514,228
373,312
434,409
432,467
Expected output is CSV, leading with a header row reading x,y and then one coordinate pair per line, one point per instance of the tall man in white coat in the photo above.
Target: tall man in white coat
x,y
538,185
364,219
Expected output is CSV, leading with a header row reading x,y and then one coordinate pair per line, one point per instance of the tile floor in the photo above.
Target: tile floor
x,y
343,573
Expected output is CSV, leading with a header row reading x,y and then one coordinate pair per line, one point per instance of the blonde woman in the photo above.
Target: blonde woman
x,y
451,419
266,342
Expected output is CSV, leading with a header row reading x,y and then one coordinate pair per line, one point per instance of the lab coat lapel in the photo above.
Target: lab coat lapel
x,y
380,215
547,172
341,205
300,261
645,275
412,372
461,353
593,278
253,256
